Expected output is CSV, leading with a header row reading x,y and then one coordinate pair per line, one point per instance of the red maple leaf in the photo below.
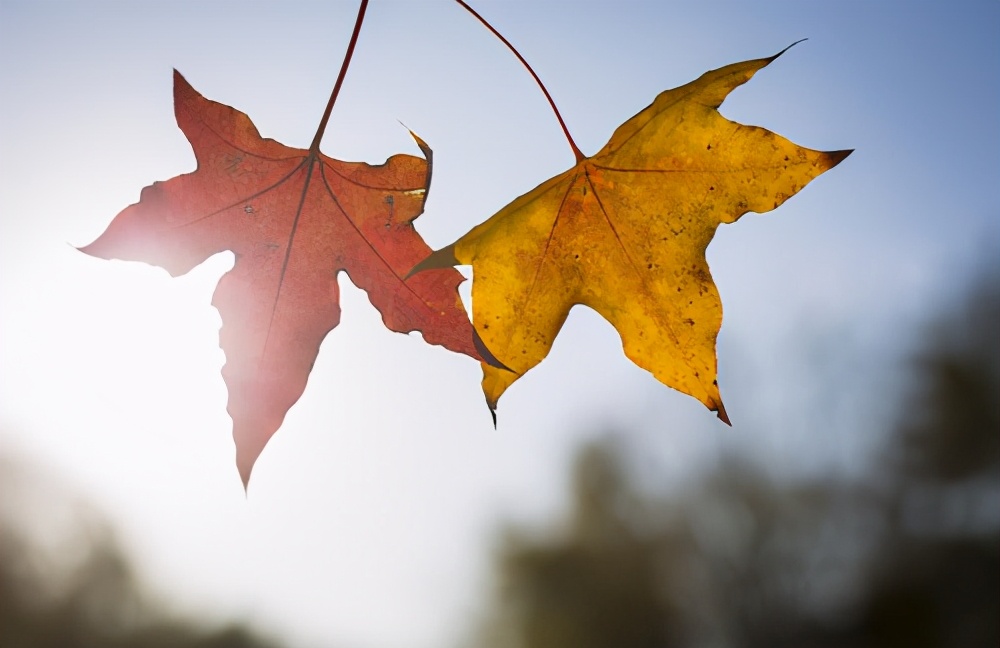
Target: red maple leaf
x,y
294,218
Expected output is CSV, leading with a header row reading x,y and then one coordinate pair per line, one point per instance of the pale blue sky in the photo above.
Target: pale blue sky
x,y
376,498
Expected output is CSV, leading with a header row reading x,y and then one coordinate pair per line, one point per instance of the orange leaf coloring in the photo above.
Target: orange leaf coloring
x,y
295,219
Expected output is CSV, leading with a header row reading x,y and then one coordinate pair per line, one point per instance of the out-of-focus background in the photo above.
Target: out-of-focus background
x,y
855,502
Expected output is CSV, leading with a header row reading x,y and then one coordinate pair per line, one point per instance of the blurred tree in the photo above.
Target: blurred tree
x,y
596,587
937,580
950,423
65,582
907,558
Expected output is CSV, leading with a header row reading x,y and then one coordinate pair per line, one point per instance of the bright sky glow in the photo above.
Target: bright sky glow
x,y
369,512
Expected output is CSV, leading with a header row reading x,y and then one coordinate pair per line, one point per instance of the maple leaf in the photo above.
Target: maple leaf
x,y
625,232
294,219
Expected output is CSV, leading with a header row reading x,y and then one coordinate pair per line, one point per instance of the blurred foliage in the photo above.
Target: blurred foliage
x,y
909,557
66,583
953,415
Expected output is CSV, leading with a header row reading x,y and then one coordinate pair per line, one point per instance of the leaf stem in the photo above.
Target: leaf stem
x,y
314,147
569,138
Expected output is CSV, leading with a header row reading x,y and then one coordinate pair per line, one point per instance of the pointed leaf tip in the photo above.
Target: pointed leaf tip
x,y
245,478
182,90
443,258
723,416
421,144
246,459
491,404
86,249
836,157
179,80
786,49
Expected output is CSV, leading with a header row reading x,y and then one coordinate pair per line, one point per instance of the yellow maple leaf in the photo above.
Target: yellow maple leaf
x,y
625,231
